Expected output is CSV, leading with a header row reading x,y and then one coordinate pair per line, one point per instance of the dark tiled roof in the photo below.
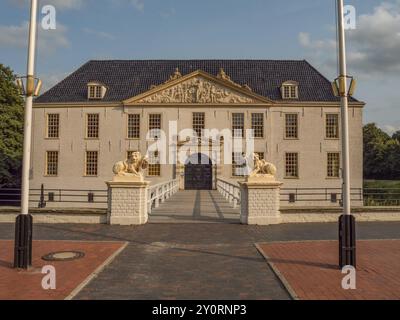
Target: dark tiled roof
x,y
128,78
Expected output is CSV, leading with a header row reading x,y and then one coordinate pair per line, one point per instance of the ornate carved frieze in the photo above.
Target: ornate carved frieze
x,y
197,90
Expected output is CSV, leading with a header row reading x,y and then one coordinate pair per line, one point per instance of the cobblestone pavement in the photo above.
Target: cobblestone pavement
x,y
193,261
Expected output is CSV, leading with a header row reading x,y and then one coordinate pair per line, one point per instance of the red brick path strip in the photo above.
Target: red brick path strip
x,y
310,269
70,275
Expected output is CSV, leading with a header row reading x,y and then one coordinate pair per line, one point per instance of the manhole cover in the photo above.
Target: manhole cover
x,y
63,256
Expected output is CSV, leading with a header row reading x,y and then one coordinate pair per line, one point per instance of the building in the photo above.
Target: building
x,y
106,109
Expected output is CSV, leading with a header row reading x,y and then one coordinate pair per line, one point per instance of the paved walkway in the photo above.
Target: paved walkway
x,y
27,284
195,206
193,261
311,269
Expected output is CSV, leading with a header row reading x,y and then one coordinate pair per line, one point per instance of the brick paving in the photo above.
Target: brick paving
x,y
26,285
311,269
193,261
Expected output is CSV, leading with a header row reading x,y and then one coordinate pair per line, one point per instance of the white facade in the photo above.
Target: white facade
x,y
310,143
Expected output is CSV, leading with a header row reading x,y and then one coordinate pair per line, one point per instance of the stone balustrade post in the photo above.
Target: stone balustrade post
x,y
127,202
260,202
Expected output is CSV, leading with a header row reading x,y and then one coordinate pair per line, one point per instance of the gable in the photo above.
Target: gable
x,y
198,88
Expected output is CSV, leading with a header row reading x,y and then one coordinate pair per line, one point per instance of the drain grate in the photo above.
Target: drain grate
x,y
63,256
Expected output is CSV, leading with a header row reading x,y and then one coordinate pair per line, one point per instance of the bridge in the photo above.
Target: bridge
x,y
191,206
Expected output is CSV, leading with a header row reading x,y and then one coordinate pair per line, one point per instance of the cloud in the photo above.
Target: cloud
x,y
391,129
168,14
138,4
58,4
48,40
99,34
373,48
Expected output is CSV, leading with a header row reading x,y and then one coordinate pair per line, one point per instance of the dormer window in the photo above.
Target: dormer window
x,y
290,90
96,91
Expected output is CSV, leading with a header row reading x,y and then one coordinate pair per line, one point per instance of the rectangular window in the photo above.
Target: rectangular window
x,y
198,123
238,164
332,126
92,125
257,124
293,92
154,169
292,165
333,166
238,124
95,92
51,163
91,163
53,125
289,92
291,126
133,126
155,126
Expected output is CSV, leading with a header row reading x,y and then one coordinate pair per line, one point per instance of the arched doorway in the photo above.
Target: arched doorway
x,y
198,172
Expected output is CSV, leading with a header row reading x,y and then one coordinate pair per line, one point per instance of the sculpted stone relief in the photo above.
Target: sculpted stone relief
x,y
197,90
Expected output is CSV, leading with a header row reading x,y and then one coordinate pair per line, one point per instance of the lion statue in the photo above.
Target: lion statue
x,y
131,167
262,167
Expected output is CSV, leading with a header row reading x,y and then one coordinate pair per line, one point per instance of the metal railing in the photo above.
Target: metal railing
x,y
382,196
161,192
230,191
320,195
43,196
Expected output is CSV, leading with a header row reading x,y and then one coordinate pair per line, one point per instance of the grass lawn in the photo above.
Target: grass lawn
x,y
371,184
382,192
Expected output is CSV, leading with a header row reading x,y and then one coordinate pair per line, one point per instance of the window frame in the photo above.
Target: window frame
x,y
201,126
297,126
127,126
154,166
297,167
96,91
326,125
235,166
149,125
253,126
240,126
48,126
46,167
87,126
86,164
338,165
289,85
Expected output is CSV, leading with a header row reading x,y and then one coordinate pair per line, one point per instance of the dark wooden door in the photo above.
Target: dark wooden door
x,y
198,176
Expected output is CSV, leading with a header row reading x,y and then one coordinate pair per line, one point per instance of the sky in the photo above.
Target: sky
x,y
221,29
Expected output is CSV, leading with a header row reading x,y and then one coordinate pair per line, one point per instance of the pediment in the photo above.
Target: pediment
x,y
198,88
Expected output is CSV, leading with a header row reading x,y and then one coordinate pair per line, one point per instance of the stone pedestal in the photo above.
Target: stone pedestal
x,y
260,202
127,202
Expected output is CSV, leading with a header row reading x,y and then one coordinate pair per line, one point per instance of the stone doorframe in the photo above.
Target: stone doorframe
x,y
211,148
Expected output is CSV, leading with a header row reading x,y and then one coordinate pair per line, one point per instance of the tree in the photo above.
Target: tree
x,y
11,129
374,151
381,154
396,135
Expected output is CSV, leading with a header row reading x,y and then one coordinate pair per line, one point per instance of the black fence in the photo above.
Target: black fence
x,y
382,197
41,197
323,196
327,196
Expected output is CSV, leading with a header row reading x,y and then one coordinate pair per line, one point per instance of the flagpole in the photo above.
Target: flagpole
x,y
23,226
347,242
